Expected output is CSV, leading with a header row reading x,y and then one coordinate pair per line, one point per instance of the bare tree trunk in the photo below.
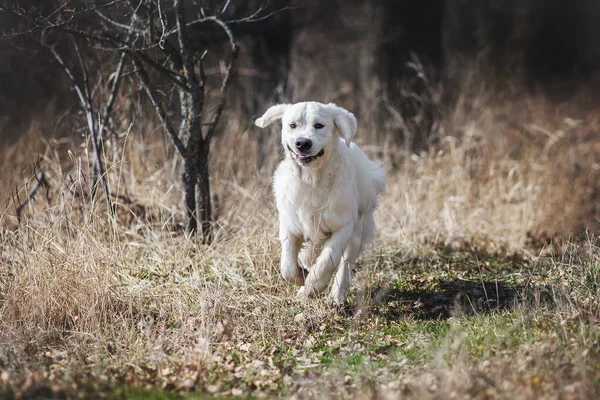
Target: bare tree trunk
x,y
196,191
203,205
190,177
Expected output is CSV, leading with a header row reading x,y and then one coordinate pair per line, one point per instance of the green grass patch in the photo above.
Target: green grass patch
x,y
136,393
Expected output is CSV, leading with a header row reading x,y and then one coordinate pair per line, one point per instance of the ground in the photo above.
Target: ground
x,y
452,322
482,281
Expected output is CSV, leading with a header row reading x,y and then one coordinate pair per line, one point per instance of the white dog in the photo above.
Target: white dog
x,y
326,191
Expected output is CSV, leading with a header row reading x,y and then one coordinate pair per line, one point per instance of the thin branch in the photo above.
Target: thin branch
x,y
124,46
172,75
70,75
226,79
41,23
254,17
86,103
41,183
89,112
118,75
256,13
163,25
84,75
116,82
116,24
225,7
145,80
174,56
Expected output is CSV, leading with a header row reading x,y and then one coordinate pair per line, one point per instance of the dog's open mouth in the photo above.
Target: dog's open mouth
x,y
306,159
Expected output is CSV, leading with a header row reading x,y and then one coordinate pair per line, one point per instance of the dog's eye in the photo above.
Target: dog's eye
x,y
319,126
293,126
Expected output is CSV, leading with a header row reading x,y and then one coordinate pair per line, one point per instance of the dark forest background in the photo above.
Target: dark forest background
x,y
356,53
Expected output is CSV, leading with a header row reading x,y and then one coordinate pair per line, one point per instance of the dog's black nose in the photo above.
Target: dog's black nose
x,y
303,144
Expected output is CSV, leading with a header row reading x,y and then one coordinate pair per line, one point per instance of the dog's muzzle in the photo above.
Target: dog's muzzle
x,y
306,159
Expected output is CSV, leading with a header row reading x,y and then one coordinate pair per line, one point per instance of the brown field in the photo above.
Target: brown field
x,y
482,282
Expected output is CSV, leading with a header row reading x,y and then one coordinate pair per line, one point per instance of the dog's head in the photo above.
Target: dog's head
x,y
309,129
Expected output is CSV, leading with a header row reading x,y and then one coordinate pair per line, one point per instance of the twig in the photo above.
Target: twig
x,y
89,109
143,75
70,75
161,18
86,103
84,71
255,18
41,23
118,44
225,7
41,182
228,72
113,92
116,82
116,24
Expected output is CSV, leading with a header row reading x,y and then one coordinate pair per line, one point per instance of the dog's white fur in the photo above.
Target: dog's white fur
x,y
328,202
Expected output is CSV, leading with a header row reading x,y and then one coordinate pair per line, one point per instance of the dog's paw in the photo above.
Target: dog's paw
x,y
304,294
294,276
336,300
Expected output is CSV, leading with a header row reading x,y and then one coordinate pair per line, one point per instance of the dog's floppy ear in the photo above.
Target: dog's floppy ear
x,y
345,121
273,113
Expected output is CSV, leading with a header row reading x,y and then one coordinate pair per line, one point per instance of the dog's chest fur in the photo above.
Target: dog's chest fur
x,y
307,201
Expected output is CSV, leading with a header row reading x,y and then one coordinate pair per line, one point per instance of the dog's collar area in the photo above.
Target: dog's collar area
x,y
306,159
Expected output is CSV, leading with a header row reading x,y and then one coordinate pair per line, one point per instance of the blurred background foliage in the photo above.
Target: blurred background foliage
x,y
356,52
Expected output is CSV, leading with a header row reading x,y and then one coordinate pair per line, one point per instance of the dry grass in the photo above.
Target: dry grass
x,y
465,294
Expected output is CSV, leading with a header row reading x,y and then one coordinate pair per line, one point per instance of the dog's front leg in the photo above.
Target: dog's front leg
x,y
290,247
320,274
341,282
